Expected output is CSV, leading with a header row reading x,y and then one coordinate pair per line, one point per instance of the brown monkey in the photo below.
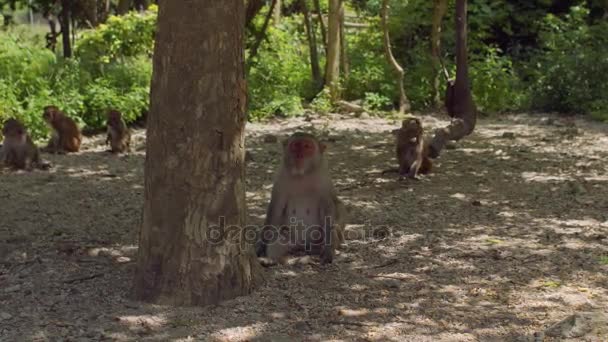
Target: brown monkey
x,y
119,135
412,151
66,134
18,150
304,211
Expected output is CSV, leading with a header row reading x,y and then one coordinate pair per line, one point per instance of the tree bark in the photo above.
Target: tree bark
x,y
332,67
312,46
404,104
194,170
465,113
439,9
343,47
123,7
64,23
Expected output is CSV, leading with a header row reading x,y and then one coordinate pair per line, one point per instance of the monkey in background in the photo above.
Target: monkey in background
x,y
302,194
18,150
411,150
66,134
119,135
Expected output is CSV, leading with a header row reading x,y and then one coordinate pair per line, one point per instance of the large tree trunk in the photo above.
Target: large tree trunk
x,y
312,46
463,108
64,22
439,9
404,104
332,67
194,171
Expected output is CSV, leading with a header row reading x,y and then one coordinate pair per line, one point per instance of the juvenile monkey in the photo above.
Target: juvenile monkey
x,y
18,150
304,211
412,151
119,135
66,134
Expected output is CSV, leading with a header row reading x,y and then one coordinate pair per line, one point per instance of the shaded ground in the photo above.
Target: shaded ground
x,y
508,236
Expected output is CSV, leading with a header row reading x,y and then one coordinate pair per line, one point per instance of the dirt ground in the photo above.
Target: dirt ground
x,y
507,237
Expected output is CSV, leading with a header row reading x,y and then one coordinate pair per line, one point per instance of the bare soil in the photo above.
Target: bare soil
x,y
508,236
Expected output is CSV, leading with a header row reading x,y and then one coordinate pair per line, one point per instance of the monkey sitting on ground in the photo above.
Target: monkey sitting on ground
x,y
412,151
18,150
66,134
304,211
119,135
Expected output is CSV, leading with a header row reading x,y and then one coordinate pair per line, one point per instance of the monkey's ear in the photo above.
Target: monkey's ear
x,y
322,147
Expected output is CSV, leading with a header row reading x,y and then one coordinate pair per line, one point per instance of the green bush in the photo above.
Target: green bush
x,y
570,74
280,77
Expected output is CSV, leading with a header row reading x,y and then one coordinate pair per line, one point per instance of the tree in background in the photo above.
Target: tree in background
x,y
439,9
332,67
461,101
404,104
194,171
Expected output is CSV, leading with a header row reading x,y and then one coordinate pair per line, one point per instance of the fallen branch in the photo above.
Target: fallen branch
x,y
350,323
350,107
82,278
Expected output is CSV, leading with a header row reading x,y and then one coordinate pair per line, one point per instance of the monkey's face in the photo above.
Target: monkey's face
x,y
14,132
302,155
49,115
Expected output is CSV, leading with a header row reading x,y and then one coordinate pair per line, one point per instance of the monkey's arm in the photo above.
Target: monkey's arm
x,y
273,220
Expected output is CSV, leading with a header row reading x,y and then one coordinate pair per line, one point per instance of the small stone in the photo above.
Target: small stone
x,y
392,283
476,203
364,115
5,316
270,139
14,288
301,326
508,135
123,260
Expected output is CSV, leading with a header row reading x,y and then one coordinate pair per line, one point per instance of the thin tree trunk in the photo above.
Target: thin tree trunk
x,y
404,104
276,15
332,68
253,8
66,6
343,47
261,34
312,46
141,5
194,170
123,7
439,9
465,113
321,24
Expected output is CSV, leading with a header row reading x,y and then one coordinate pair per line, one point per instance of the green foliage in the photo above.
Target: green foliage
x,y
126,36
374,102
280,74
322,102
496,87
571,71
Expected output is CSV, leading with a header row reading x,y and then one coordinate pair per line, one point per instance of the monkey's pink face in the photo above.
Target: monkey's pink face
x,y
302,153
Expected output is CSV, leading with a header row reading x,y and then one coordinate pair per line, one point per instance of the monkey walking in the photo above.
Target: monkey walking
x,y
411,150
119,135
18,150
304,211
66,134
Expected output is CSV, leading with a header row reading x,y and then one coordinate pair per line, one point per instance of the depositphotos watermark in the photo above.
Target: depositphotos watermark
x,y
296,232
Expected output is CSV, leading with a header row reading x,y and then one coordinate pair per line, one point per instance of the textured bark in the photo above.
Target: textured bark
x,y
439,9
194,170
404,104
465,113
312,47
64,22
332,67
